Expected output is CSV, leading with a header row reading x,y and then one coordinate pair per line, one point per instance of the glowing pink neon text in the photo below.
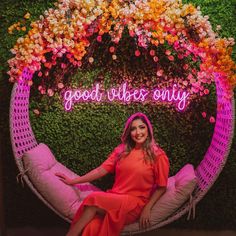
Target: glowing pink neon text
x,y
126,95
74,96
171,95
122,93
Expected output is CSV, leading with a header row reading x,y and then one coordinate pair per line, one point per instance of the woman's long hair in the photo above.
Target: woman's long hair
x,y
149,146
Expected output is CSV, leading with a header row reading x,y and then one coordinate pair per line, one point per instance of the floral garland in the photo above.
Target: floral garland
x,y
185,36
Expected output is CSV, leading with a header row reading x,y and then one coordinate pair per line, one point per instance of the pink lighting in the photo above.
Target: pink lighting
x,y
171,95
78,95
126,95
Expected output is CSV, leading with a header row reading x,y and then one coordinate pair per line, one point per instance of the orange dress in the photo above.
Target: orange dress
x,y
134,183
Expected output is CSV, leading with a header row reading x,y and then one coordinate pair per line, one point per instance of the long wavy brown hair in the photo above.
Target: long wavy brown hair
x,y
149,147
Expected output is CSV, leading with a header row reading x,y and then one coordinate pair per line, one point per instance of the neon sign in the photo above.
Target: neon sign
x,y
125,95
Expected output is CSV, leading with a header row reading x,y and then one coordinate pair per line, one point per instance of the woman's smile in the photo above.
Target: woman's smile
x,y
139,132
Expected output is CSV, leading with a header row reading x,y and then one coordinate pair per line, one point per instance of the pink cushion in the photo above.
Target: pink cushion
x,y
177,193
42,168
40,158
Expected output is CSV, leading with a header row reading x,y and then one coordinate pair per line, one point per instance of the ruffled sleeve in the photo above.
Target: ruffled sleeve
x,y
161,169
110,163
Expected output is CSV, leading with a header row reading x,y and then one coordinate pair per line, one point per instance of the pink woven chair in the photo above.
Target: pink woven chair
x,y
23,139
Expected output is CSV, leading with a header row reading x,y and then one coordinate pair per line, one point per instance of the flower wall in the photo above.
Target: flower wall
x,y
174,39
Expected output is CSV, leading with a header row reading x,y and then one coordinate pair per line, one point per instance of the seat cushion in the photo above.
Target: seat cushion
x,y
42,166
179,189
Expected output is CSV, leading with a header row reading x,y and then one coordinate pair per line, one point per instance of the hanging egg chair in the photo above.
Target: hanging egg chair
x,y
23,139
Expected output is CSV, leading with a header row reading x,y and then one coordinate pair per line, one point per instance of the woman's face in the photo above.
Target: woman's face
x,y
139,132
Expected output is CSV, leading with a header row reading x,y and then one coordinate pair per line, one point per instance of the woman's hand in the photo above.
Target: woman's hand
x,y
144,220
64,178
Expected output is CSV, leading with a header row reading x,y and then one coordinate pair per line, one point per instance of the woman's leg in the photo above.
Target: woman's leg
x,y
93,228
88,214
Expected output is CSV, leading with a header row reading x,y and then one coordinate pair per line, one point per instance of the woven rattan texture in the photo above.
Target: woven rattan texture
x,y
22,137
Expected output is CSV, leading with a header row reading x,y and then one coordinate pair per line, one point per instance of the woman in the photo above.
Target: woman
x,y
141,173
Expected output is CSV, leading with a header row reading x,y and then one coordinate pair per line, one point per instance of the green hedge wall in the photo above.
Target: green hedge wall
x,y
83,138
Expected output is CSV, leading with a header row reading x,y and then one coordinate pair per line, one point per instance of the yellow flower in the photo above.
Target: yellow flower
x,y
27,15
10,30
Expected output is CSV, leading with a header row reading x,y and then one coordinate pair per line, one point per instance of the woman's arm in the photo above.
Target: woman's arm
x,y
144,220
155,196
90,176
107,166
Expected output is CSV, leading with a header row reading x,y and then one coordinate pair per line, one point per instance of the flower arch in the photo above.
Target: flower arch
x,y
185,37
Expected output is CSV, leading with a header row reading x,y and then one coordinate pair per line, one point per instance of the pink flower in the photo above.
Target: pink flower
x,y
176,44
195,90
190,76
63,65
40,87
99,38
40,74
11,79
112,49
137,53
212,119
160,72
60,85
59,54
50,92
116,40
167,52
152,52
30,82
204,114
142,41
36,112
194,71
185,66
131,33
42,91
171,58
206,91
155,59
